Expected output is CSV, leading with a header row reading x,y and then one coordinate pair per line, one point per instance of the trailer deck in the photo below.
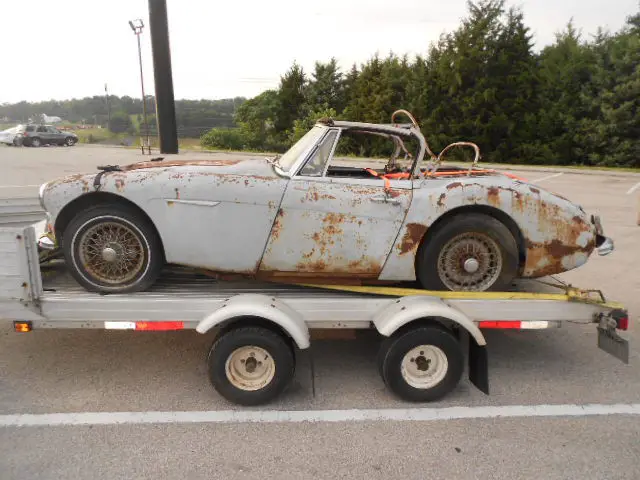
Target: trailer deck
x,y
188,298
260,325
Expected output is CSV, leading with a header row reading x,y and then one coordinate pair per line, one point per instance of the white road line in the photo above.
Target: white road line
x,y
548,177
18,186
633,189
315,416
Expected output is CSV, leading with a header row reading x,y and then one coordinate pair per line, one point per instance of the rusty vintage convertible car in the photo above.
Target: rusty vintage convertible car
x,y
312,214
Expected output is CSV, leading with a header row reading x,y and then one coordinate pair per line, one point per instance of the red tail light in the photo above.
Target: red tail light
x,y
623,323
159,326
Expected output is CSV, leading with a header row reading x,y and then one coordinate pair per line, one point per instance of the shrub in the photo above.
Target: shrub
x,y
225,138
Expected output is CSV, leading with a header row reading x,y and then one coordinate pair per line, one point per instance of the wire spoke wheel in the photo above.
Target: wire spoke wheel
x,y
112,252
470,261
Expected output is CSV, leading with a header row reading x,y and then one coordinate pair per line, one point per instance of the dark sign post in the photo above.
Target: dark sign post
x,y
165,106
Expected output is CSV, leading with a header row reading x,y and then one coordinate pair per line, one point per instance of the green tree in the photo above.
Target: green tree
x,y
481,83
256,120
303,125
290,100
378,89
566,70
120,122
612,139
325,89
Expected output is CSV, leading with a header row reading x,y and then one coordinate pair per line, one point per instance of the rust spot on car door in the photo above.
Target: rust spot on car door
x,y
412,237
277,224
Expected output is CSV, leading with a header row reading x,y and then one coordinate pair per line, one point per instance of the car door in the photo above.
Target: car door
x,y
43,134
55,135
335,226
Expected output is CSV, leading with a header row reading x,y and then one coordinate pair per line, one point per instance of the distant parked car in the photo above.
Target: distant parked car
x,y
38,135
10,136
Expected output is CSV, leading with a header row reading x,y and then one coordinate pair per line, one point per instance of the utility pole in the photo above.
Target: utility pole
x,y
165,103
137,26
108,108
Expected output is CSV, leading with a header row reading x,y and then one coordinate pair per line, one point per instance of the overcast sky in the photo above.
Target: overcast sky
x,y
71,48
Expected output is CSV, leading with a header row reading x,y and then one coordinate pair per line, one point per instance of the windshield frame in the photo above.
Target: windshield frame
x,y
289,163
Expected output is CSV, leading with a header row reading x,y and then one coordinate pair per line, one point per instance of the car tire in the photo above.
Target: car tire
x,y
69,142
35,142
421,364
445,263
272,367
91,257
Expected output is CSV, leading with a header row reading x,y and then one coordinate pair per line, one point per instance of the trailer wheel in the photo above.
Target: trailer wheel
x,y
250,365
421,364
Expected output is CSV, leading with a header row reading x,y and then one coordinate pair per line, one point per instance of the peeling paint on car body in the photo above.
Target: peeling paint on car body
x,y
558,234
347,230
194,234
249,217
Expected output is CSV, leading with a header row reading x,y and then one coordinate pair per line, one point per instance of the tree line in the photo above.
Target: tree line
x,y
193,117
575,102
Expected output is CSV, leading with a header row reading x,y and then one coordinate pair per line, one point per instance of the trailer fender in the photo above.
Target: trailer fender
x,y
262,306
414,307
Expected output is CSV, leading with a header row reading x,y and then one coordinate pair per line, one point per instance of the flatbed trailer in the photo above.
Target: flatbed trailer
x,y
260,326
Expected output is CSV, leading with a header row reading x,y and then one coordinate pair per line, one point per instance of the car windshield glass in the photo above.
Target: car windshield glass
x,y
289,158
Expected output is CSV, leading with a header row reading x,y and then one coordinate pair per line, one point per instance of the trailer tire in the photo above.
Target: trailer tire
x,y
421,364
386,343
251,365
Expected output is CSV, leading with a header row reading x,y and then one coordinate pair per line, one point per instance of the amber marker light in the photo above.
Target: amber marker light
x,y
22,327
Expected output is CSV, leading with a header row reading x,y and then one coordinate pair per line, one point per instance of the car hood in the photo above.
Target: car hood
x,y
113,178
253,167
231,166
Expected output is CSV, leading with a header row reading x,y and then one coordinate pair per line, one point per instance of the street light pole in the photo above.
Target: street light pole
x,y
137,26
108,108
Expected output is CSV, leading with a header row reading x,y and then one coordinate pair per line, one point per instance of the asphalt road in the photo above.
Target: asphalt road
x,y
63,371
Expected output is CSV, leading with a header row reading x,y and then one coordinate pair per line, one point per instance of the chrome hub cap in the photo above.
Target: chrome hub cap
x,y
471,265
112,252
424,366
109,255
470,261
250,368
